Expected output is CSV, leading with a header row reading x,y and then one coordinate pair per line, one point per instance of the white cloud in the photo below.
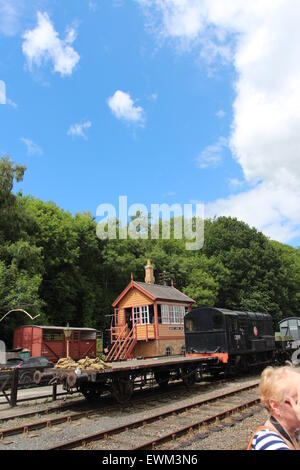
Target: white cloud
x,y
42,44
9,17
122,106
78,130
32,148
92,6
221,114
2,92
272,208
212,155
14,14
261,38
235,183
11,103
3,97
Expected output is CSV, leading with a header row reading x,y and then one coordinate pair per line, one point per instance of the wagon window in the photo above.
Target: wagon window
x,y
293,325
48,336
88,335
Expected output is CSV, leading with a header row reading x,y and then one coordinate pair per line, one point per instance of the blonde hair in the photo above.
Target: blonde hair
x,y
273,384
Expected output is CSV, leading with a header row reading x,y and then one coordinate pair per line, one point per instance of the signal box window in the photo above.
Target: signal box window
x,y
141,315
172,314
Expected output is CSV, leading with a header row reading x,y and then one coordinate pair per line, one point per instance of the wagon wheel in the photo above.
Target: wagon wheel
x,y
26,381
122,389
188,377
91,394
162,378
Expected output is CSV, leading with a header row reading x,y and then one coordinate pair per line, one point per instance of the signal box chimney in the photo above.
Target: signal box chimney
x,y
149,273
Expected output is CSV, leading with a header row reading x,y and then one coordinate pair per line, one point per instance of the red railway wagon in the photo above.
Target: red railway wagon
x,y
50,342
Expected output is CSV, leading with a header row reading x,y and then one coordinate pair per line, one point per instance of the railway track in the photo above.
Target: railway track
x,y
106,402
153,430
174,391
32,398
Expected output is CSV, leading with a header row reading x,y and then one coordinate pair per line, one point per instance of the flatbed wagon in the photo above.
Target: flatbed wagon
x,y
122,378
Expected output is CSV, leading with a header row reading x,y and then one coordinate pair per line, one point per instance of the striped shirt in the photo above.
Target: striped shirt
x,y
268,440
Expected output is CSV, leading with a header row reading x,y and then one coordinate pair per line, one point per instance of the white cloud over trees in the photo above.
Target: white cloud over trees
x,y
260,38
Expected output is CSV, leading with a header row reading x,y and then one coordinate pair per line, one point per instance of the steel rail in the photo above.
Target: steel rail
x,y
52,409
140,394
37,397
141,422
56,408
24,429
189,428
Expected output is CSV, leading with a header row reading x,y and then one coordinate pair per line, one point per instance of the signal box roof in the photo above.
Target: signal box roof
x,y
156,292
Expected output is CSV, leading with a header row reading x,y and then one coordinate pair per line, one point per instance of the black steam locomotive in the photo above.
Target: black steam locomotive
x,y
238,340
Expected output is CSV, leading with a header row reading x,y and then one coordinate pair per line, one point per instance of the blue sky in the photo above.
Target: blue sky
x,y
106,105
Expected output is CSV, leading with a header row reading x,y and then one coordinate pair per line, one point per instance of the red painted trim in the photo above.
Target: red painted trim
x,y
171,337
155,320
172,302
223,357
124,292
127,289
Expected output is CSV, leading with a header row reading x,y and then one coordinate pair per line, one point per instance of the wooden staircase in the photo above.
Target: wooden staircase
x,y
123,344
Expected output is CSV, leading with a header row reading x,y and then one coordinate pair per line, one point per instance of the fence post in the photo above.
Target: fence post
x,y
14,388
54,392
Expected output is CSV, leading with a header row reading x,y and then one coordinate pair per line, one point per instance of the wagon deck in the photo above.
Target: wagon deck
x,y
123,377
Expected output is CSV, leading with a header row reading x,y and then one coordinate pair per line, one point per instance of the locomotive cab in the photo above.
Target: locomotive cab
x,y
236,338
205,331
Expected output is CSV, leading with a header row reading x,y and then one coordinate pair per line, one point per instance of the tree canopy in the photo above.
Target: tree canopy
x,y
53,265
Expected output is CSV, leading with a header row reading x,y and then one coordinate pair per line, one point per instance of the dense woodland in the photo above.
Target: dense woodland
x,y
53,264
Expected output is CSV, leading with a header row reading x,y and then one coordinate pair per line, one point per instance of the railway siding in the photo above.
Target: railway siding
x,y
114,417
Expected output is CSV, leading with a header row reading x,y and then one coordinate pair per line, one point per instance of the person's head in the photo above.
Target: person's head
x,y
277,385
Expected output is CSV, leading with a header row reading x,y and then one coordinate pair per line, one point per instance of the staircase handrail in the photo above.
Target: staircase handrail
x,y
131,335
117,343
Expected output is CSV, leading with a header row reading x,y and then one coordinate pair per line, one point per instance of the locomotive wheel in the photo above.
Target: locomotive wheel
x,y
162,379
231,371
244,366
188,377
122,389
215,373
